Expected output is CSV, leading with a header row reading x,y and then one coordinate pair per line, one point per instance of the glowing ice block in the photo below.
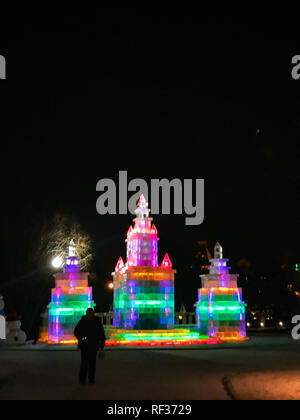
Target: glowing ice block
x,y
220,309
143,291
70,299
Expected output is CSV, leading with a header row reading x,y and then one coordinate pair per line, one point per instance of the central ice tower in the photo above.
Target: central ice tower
x,y
143,292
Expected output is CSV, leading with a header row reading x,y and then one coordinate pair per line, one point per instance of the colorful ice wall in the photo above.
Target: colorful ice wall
x,y
70,299
220,309
143,291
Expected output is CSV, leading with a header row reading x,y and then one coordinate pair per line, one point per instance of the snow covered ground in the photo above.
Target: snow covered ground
x,y
40,372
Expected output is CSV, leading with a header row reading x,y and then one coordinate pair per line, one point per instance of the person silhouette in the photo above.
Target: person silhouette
x,y
91,337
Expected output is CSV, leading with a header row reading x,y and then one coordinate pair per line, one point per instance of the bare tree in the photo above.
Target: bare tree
x,y
56,240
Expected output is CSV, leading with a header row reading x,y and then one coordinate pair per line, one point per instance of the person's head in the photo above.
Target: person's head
x,y
89,314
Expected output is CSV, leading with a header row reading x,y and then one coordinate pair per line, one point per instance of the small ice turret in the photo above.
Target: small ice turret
x,y
72,249
72,261
218,263
218,251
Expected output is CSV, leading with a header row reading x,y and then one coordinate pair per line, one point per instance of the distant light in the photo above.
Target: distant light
x,y
57,262
281,324
180,317
111,285
248,324
262,325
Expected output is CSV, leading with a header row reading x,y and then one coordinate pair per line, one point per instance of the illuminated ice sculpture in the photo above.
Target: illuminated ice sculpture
x,y
144,298
220,309
70,299
143,291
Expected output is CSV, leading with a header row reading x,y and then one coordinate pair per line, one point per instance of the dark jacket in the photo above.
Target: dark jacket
x,y
90,334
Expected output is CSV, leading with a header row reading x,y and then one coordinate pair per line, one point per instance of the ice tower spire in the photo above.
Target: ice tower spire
x,y
142,239
72,261
72,249
142,210
218,263
218,251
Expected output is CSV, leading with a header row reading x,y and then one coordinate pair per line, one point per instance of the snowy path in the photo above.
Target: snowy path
x,y
132,374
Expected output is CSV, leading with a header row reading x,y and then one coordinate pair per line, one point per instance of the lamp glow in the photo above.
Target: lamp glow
x,y
57,262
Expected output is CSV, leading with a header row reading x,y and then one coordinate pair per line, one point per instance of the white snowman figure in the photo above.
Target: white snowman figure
x,y
14,334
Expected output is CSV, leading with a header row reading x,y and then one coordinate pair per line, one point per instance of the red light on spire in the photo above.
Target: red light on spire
x,y
166,262
120,265
153,229
130,230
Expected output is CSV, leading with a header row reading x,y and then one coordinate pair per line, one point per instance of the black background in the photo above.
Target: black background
x,y
159,94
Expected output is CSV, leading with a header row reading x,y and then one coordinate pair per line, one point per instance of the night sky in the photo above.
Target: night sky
x,y
185,96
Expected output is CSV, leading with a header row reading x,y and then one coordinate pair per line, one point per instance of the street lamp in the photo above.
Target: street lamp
x,y
57,262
